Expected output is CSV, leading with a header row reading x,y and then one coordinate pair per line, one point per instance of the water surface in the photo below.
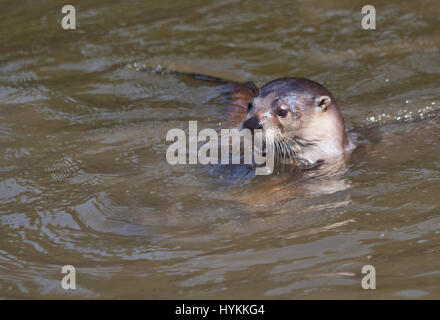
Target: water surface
x,y
84,179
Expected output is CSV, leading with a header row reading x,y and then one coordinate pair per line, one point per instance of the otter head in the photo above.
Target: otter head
x,y
300,119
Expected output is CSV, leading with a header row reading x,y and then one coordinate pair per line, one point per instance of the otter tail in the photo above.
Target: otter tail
x,y
238,94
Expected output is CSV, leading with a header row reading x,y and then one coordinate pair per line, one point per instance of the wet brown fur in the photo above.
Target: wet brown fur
x,y
305,123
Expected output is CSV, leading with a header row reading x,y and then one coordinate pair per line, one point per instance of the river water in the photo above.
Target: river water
x,y
84,180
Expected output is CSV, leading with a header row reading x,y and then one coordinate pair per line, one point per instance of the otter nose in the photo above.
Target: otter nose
x,y
252,123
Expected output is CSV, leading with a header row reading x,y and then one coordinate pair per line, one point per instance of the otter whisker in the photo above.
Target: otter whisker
x,y
289,148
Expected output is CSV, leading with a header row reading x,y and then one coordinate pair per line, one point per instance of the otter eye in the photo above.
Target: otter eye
x,y
249,107
282,113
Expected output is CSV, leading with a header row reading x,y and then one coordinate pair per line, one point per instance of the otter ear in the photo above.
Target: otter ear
x,y
323,102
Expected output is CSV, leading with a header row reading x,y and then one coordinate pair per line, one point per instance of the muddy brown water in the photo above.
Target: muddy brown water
x,y
84,180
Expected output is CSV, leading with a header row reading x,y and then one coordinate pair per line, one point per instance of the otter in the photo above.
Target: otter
x,y
301,120
300,117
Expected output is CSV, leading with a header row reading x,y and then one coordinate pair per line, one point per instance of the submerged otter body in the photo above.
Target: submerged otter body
x,y
300,119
